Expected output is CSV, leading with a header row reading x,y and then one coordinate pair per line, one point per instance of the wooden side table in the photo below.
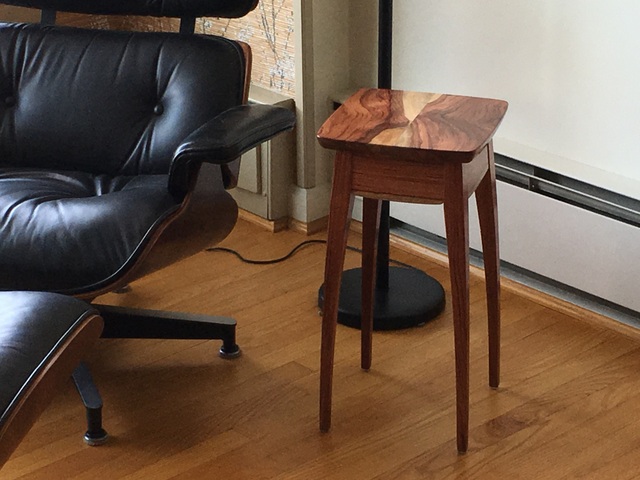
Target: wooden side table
x,y
423,148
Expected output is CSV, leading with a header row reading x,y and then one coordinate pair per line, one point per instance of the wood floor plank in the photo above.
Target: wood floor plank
x,y
565,408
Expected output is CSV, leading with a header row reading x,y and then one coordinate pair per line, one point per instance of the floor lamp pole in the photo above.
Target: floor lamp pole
x,y
405,297
385,45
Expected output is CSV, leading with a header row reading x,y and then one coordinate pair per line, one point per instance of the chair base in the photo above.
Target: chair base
x,y
413,298
121,322
124,322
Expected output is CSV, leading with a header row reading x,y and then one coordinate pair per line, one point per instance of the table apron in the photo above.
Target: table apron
x,y
414,182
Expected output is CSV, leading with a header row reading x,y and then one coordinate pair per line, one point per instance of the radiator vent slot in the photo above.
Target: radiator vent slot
x,y
568,190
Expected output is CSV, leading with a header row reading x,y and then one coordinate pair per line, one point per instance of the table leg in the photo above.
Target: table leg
x,y
456,212
341,206
370,227
487,213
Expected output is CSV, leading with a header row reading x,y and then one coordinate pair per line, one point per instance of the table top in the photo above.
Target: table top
x,y
413,125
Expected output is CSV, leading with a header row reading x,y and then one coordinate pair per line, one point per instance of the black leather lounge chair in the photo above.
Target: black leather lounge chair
x,y
115,151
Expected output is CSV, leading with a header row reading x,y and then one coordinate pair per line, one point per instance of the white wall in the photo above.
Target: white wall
x,y
570,72
322,68
568,68
363,43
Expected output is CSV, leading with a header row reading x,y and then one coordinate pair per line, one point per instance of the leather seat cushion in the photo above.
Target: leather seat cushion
x,y
72,232
32,326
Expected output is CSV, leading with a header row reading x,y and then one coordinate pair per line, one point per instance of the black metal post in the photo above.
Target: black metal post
x,y
405,297
385,45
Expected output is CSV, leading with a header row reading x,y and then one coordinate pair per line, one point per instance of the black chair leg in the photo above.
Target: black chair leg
x,y
92,401
124,322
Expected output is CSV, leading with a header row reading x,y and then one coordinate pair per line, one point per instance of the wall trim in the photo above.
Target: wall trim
x,y
273,226
310,228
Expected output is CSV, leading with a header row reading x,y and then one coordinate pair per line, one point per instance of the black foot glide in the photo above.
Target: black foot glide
x,y
92,401
230,350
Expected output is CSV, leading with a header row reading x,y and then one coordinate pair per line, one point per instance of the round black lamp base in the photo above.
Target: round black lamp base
x,y
413,298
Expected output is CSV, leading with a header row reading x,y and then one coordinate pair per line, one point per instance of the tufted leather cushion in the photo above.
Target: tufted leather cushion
x,y
89,128
115,103
160,8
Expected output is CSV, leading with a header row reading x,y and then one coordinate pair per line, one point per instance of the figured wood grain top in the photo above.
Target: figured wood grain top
x,y
403,124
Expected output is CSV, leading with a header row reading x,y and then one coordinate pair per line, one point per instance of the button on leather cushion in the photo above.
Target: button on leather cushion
x,y
72,231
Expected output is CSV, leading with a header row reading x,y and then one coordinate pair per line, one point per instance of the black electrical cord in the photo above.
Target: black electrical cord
x,y
290,254
265,262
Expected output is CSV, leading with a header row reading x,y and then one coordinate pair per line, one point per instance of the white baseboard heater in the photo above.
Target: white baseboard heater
x,y
557,228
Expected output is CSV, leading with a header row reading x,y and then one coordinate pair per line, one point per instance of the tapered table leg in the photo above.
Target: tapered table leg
x,y
488,215
370,227
456,212
341,206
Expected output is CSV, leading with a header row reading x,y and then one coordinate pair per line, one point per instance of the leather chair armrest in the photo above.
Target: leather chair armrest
x,y
227,136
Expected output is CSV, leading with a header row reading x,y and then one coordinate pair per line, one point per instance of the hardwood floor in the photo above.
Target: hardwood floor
x,y
566,408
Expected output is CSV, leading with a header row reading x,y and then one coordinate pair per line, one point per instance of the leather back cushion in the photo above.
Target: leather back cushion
x,y
160,8
109,102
